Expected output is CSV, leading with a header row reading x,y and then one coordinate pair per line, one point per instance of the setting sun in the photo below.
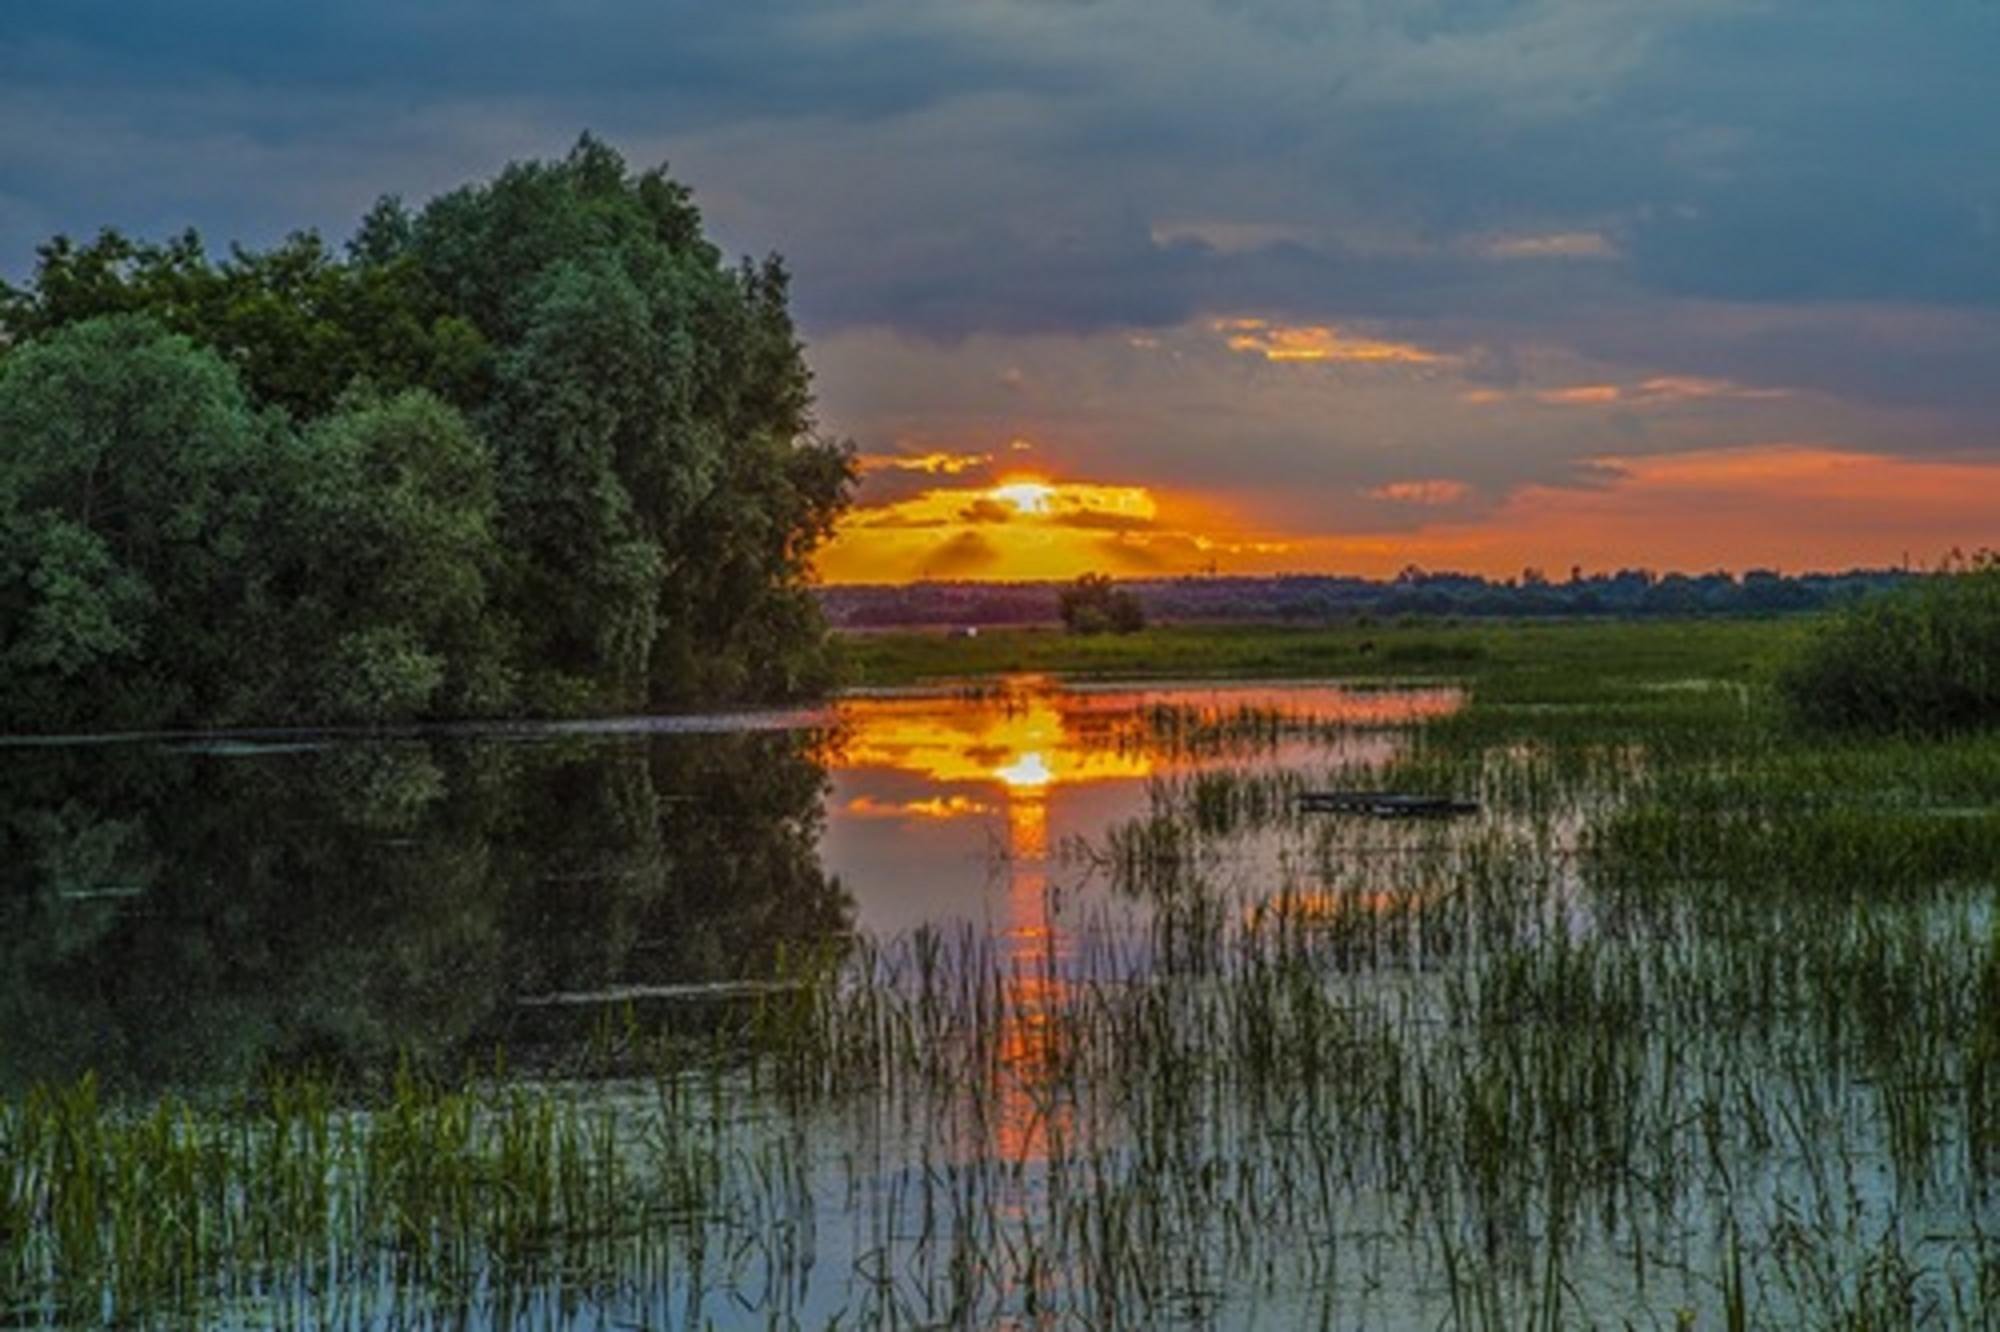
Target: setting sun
x,y
1030,771
1025,496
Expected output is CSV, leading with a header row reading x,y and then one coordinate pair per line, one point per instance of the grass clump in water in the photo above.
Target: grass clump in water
x,y
1920,660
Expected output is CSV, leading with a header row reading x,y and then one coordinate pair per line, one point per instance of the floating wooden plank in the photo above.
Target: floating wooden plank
x,y
1384,804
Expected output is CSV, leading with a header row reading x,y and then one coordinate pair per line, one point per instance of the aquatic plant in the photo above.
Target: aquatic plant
x,y
1923,659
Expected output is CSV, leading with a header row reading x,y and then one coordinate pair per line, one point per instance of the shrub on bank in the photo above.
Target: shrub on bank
x,y
1924,659
1094,604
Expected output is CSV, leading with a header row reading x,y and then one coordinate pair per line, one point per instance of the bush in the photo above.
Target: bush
x,y
1093,604
1923,659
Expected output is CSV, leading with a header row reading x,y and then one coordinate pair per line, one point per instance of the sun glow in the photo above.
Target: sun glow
x,y
1023,525
1030,770
1027,496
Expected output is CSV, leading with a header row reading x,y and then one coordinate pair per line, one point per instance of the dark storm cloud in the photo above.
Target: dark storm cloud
x,y
693,60
1043,166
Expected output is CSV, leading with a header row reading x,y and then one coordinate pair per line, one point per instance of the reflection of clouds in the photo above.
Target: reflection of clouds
x,y
1035,739
937,807
1028,841
1030,740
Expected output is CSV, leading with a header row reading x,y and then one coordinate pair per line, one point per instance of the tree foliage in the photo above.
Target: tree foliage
x,y
132,484
1094,604
533,447
1921,660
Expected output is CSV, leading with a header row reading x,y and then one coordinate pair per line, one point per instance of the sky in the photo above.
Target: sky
x,y
1169,286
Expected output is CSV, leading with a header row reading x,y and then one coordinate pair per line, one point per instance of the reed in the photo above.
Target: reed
x,y
1693,1024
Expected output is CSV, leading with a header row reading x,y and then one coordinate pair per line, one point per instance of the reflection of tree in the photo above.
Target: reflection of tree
x,y
173,916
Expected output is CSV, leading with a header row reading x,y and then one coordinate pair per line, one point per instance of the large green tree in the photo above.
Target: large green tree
x,y
534,446
662,485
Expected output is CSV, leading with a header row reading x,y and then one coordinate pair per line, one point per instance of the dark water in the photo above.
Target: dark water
x,y
183,913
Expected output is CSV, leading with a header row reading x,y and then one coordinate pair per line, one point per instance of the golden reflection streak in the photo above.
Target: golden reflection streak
x,y
1020,750
1025,742
1035,986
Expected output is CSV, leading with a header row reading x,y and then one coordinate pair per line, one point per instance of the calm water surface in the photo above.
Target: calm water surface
x,y
182,911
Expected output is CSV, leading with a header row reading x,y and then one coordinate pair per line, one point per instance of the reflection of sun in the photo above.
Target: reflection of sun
x,y
1026,742
1026,496
1029,770
1028,842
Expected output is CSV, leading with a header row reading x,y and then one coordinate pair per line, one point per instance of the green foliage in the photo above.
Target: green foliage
x,y
1094,604
341,904
298,325
662,491
1922,660
532,447
130,496
392,549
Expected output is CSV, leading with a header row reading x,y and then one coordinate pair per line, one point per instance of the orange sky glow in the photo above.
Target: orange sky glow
x,y
1784,506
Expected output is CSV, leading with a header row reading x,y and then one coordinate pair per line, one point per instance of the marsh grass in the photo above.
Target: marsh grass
x,y
1695,1023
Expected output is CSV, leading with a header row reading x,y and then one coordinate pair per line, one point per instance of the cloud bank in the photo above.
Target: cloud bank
x,y
1337,267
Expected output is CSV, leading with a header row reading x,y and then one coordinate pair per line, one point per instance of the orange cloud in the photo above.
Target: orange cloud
x,y
1319,343
1792,507
1581,395
1014,499
1658,391
1781,506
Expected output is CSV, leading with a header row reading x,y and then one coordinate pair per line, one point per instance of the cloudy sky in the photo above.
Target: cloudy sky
x,y
1178,284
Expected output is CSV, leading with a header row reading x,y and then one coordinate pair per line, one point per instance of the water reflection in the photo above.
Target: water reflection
x,y
174,913
178,916
952,810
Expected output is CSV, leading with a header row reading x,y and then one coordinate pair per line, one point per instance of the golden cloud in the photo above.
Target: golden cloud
x,y
1319,343
1027,527
1581,395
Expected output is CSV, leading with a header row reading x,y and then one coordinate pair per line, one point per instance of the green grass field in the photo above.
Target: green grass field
x,y
1525,657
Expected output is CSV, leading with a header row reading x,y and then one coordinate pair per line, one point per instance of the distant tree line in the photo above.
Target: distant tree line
x,y
533,448
1321,599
